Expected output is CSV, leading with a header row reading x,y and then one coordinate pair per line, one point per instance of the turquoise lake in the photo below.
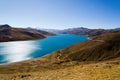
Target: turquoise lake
x,y
23,50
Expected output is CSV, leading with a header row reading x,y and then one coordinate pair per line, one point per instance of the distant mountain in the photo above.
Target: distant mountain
x,y
77,29
86,31
8,33
65,31
117,28
55,31
44,32
82,31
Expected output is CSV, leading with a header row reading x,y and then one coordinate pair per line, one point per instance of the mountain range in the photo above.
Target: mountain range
x,y
117,28
82,31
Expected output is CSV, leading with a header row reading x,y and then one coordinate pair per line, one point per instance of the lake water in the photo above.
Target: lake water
x,y
22,50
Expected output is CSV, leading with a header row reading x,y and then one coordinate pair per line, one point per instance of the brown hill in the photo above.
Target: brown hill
x,y
8,33
105,47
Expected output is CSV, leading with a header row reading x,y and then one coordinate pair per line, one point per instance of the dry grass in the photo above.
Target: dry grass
x,y
107,70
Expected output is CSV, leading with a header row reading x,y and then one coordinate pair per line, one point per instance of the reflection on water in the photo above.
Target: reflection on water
x,y
16,51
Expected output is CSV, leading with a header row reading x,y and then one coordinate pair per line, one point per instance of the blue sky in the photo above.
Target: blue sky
x,y
60,14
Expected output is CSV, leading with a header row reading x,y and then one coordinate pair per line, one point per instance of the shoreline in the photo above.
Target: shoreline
x,y
37,57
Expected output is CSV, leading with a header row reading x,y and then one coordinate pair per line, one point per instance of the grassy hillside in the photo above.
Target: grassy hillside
x,y
103,48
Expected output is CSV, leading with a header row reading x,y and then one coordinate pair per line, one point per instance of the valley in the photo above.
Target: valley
x,y
60,40
89,60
